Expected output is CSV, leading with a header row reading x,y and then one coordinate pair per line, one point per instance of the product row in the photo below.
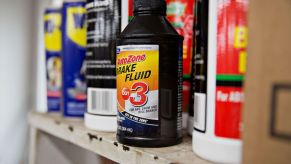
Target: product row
x,y
149,68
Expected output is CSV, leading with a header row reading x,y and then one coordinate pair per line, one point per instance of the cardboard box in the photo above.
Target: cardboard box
x,y
267,112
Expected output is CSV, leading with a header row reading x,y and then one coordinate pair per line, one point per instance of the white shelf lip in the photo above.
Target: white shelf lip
x,y
105,144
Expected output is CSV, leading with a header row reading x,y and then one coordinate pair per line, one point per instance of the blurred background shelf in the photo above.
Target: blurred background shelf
x,y
105,144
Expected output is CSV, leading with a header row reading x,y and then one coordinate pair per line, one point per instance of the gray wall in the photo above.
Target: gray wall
x,y
16,72
23,87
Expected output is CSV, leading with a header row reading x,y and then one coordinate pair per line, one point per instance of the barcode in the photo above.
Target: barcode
x,y
199,111
102,101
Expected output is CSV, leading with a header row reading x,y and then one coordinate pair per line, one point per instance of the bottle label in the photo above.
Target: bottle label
x,y
76,20
53,34
103,25
73,59
101,101
231,67
137,86
53,47
229,101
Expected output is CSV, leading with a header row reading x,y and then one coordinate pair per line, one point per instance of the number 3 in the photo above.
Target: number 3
x,y
143,89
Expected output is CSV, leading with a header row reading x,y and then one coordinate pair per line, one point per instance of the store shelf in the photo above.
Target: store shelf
x,y
105,144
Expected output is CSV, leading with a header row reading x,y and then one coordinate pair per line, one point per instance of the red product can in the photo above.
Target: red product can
x,y
180,13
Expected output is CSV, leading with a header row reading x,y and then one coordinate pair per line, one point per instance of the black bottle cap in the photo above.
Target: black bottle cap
x,y
150,7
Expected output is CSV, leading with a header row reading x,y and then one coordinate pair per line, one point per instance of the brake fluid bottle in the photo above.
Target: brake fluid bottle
x,y
149,78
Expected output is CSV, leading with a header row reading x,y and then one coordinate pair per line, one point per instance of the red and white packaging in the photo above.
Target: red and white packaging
x,y
217,113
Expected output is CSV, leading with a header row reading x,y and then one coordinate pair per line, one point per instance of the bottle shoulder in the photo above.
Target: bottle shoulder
x,y
148,26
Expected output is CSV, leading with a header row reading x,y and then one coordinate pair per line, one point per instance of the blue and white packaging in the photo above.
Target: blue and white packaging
x,y
74,50
53,49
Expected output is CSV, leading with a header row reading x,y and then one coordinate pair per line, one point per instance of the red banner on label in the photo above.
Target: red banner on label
x,y
228,112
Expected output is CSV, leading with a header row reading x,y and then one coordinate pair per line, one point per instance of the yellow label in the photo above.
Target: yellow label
x,y
241,37
242,61
76,26
241,42
137,70
53,35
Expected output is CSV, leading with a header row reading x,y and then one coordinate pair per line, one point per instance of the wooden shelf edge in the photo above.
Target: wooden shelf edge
x,y
105,144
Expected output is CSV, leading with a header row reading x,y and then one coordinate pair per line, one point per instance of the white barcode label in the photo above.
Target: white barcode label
x,y
199,111
102,101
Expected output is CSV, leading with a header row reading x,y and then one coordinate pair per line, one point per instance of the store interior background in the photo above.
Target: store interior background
x,y
23,88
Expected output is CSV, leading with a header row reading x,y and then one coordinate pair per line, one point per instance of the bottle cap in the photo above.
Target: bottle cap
x,y
150,7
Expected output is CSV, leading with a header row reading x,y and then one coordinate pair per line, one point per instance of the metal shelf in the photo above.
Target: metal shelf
x,y
105,144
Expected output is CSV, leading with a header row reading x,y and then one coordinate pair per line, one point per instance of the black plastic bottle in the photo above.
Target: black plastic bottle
x,y
149,78
199,62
